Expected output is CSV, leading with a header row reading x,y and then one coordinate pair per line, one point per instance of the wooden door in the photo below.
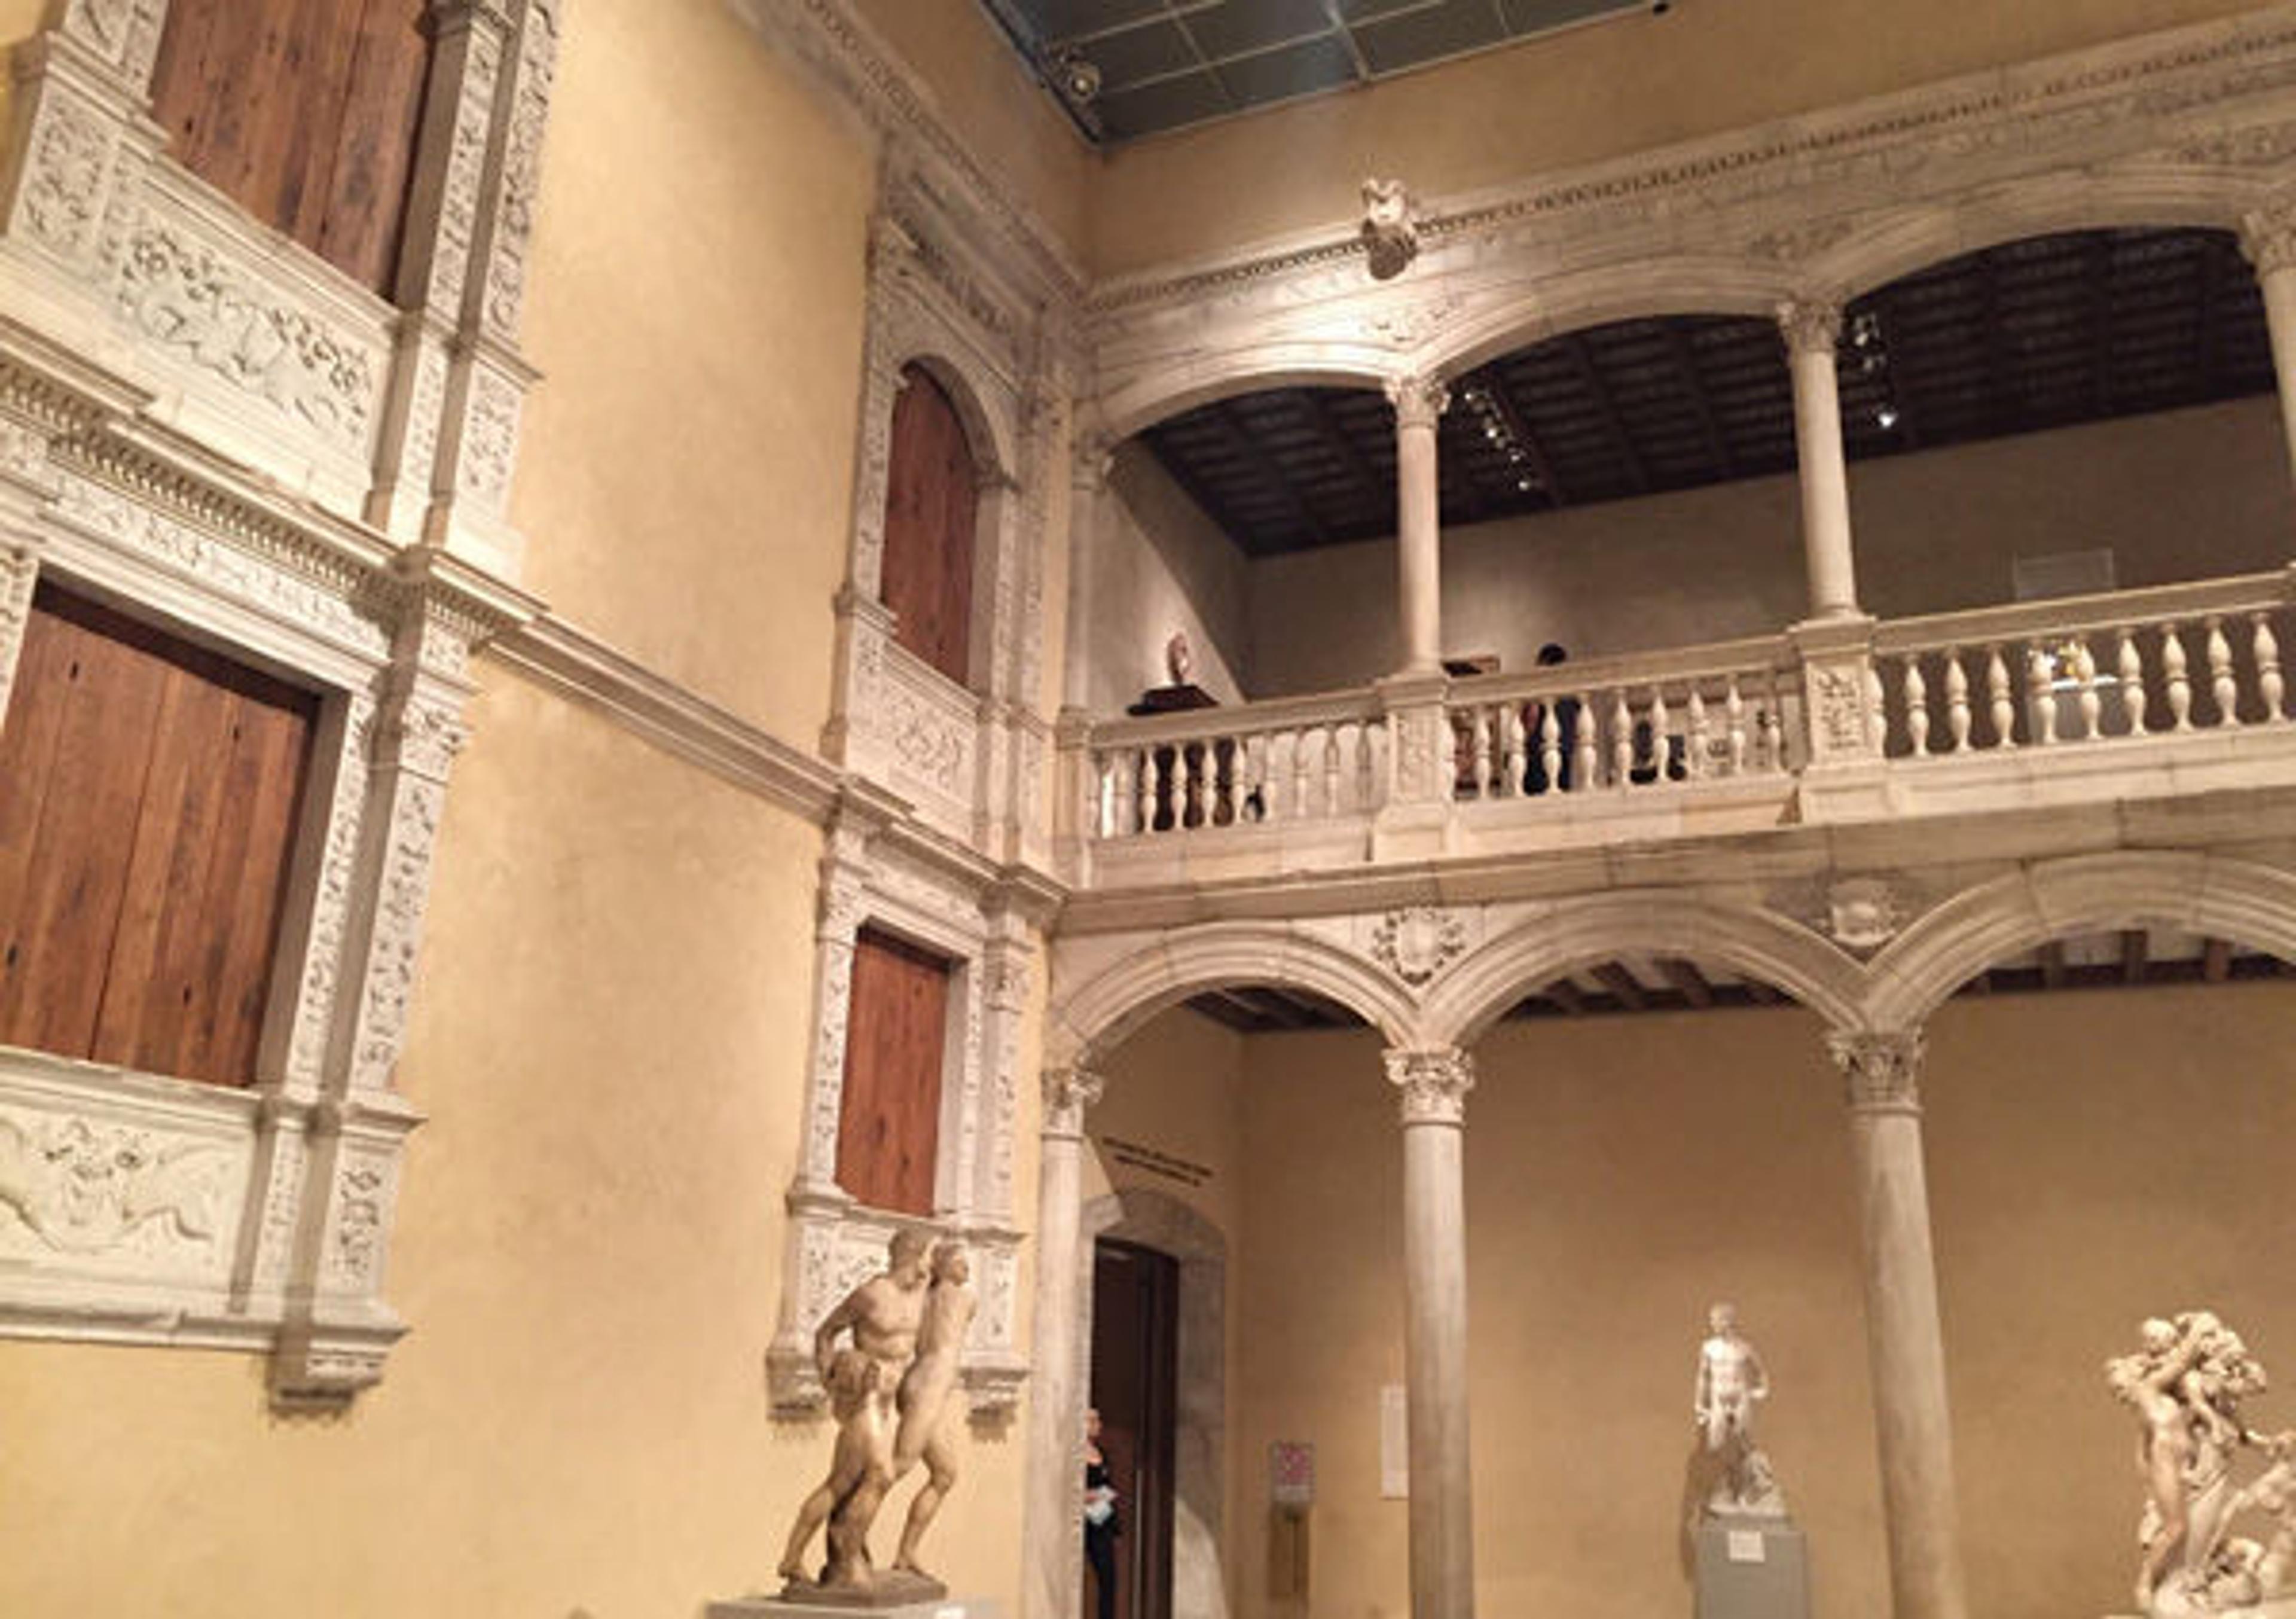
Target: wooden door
x,y
1136,1362
896,1029
931,493
149,791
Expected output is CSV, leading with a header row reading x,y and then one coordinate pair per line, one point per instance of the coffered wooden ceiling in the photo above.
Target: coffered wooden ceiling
x,y
2044,332
1163,64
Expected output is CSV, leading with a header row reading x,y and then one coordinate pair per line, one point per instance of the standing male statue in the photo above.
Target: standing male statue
x,y
1731,1382
884,1315
928,1412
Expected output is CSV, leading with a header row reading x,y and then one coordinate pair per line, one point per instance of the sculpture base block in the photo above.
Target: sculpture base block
x,y
1751,1568
2272,1607
807,1608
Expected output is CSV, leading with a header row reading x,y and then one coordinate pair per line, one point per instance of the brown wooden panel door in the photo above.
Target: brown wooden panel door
x,y
888,1126
303,111
148,797
932,494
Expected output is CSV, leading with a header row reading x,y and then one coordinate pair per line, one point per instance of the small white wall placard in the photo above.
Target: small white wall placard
x,y
1394,1443
1746,1546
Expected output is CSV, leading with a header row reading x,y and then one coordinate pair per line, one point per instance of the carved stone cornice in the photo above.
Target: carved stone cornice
x,y
1419,401
1069,1093
1881,1069
1432,1083
1810,325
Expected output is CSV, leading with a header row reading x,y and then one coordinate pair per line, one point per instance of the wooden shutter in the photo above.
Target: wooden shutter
x,y
149,795
888,1127
931,493
305,112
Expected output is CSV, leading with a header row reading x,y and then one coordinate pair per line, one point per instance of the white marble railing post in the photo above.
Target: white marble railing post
x,y
1055,1521
1811,330
1434,1085
1419,404
2268,238
1903,1333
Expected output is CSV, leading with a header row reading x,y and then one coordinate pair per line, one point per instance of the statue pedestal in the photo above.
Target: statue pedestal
x,y
1751,1568
782,1607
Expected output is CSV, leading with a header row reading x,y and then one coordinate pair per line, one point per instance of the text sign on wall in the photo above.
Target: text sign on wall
x,y
1291,1473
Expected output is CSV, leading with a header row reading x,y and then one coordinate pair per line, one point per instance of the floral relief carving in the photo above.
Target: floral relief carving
x,y
361,1201
84,1187
282,1205
331,910
931,746
489,439
828,1086
522,171
183,296
398,931
1881,1069
1432,1085
1416,944
64,189
1841,696
1409,324
466,169
18,571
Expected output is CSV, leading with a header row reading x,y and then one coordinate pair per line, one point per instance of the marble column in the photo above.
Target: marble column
x,y
1902,1330
1434,1085
1054,1525
1419,404
1088,495
2268,238
1811,330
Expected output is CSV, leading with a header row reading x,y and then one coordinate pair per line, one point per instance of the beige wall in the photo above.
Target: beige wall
x,y
1615,1188
1572,98
2182,495
994,105
685,478
589,1246
1162,565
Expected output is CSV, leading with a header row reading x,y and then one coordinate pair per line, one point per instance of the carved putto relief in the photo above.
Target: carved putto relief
x,y
88,1188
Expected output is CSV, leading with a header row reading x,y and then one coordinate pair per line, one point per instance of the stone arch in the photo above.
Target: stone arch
x,y
2217,895
986,429
1137,405
1101,1013
1574,935
1533,311
1154,1220
1903,242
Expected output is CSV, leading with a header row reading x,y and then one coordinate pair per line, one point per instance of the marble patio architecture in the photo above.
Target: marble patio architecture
x,y
556,1050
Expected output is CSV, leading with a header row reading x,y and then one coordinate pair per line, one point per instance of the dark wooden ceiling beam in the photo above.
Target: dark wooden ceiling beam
x,y
1182,467
1625,988
1685,361
1336,439
2215,961
1686,977
2052,965
1278,479
1762,994
1566,995
2135,954
1606,408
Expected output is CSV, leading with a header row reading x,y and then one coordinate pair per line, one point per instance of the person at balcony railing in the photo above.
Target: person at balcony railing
x,y
1566,725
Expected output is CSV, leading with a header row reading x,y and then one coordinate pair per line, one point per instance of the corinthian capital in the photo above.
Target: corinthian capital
x,y
1419,401
1433,1083
1882,1069
1812,325
2269,237
1067,1093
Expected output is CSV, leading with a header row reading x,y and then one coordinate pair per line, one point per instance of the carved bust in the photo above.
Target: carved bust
x,y
1390,227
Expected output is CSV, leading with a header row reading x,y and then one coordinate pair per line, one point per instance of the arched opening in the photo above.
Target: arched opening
x,y
932,498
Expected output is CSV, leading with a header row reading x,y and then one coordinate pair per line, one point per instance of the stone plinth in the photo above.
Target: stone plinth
x,y
1753,1568
809,1607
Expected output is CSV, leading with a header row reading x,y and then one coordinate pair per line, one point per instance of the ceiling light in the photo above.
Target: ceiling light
x,y
1887,416
1076,75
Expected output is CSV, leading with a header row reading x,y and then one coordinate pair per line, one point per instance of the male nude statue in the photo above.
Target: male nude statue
x,y
2150,1382
883,1314
923,1397
1731,1381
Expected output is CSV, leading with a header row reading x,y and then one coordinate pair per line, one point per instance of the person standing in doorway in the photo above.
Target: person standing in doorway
x,y
1100,1521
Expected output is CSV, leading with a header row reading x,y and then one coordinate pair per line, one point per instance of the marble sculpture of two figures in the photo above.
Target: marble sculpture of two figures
x,y
893,1392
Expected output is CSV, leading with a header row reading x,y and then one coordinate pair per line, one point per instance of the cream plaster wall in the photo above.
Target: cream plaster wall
x,y
685,476
995,106
2182,495
588,1245
1592,92
1614,1189
1160,566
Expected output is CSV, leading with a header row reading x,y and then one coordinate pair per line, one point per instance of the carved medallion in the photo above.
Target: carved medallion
x,y
1417,943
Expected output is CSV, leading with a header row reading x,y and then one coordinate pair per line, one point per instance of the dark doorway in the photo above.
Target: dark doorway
x,y
1135,1340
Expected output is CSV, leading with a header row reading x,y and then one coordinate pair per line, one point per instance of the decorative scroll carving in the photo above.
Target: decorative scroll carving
x,y
362,1202
1069,1093
1432,1083
1415,944
932,747
1882,1069
330,908
184,296
126,33
18,571
1419,401
64,183
1840,695
398,930
489,440
464,181
521,169
86,1188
